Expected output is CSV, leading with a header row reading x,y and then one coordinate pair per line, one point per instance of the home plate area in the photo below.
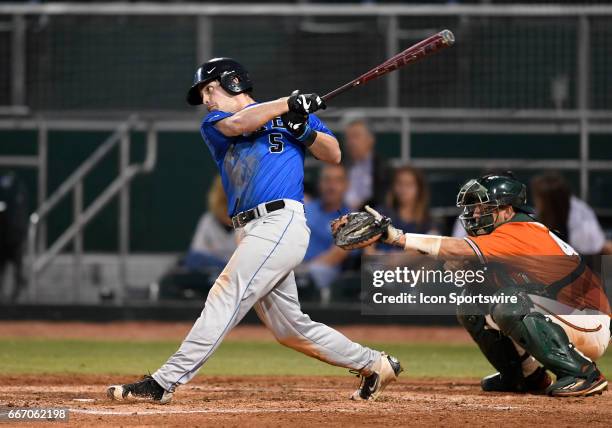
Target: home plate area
x,y
299,401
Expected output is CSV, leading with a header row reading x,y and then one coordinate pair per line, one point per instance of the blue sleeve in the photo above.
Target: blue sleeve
x,y
318,125
216,141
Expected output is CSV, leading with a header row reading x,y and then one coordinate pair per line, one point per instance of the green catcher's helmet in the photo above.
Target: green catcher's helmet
x,y
489,193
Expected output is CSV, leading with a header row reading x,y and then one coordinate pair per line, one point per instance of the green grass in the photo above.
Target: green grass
x,y
232,358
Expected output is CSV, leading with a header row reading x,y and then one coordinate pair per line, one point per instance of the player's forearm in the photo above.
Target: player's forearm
x,y
251,119
326,148
439,246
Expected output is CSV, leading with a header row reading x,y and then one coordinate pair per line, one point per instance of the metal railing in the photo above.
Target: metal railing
x,y
583,123
40,257
406,122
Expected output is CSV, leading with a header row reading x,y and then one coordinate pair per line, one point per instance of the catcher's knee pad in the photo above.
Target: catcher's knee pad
x,y
507,315
546,341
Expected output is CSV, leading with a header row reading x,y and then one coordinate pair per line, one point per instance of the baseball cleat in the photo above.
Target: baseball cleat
x,y
537,382
145,389
385,371
594,384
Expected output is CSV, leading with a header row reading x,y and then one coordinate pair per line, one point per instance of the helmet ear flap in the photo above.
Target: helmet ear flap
x,y
234,82
230,82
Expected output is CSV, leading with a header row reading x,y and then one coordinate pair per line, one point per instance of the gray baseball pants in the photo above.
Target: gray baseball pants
x,y
260,274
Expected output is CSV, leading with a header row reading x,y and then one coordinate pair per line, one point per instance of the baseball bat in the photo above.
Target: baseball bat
x,y
424,48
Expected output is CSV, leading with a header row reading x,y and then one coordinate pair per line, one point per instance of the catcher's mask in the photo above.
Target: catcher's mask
x,y
482,198
479,211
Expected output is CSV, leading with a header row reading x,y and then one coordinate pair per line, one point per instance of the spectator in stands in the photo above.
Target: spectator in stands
x,y
569,216
13,230
214,241
366,170
323,259
407,203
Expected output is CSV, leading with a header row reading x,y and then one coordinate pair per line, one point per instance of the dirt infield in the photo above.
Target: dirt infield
x,y
302,401
284,400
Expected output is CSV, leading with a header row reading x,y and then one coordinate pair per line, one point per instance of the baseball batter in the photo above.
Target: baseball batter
x,y
563,325
259,149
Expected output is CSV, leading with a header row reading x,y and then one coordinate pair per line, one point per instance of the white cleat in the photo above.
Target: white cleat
x,y
385,371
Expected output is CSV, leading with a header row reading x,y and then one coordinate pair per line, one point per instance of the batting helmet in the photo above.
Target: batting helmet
x,y
489,193
233,78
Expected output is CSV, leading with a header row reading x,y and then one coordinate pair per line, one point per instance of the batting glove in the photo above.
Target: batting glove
x,y
297,124
305,103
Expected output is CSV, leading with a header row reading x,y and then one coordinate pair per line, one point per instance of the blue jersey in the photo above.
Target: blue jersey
x,y
263,166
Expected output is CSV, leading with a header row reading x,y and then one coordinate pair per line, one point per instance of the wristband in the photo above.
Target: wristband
x,y
428,244
308,137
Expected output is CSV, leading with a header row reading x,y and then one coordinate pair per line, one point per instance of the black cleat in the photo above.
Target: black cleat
x,y
145,389
570,386
537,382
373,385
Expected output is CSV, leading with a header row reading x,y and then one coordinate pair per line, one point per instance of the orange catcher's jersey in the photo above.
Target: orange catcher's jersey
x,y
537,255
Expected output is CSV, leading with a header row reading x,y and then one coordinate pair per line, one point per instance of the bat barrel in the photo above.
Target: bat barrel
x,y
448,37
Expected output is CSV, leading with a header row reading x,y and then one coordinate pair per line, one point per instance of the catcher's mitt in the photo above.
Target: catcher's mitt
x,y
358,230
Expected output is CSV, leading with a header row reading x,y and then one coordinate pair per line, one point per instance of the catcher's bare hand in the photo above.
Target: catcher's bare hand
x,y
392,234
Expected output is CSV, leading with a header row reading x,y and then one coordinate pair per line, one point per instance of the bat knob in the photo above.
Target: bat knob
x,y
448,37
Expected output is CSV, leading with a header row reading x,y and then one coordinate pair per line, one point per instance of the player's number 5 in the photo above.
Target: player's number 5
x,y
276,143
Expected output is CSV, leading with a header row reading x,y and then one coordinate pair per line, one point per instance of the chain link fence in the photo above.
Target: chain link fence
x,y
5,64
145,62
601,62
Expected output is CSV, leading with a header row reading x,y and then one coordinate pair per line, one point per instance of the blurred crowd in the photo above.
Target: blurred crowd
x,y
401,193
327,272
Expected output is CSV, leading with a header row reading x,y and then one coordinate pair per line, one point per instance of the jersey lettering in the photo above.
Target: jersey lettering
x,y
276,143
277,122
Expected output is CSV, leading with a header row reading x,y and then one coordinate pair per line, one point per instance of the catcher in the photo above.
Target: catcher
x,y
525,339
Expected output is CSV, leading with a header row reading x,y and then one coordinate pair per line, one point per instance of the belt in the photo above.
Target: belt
x,y
242,218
